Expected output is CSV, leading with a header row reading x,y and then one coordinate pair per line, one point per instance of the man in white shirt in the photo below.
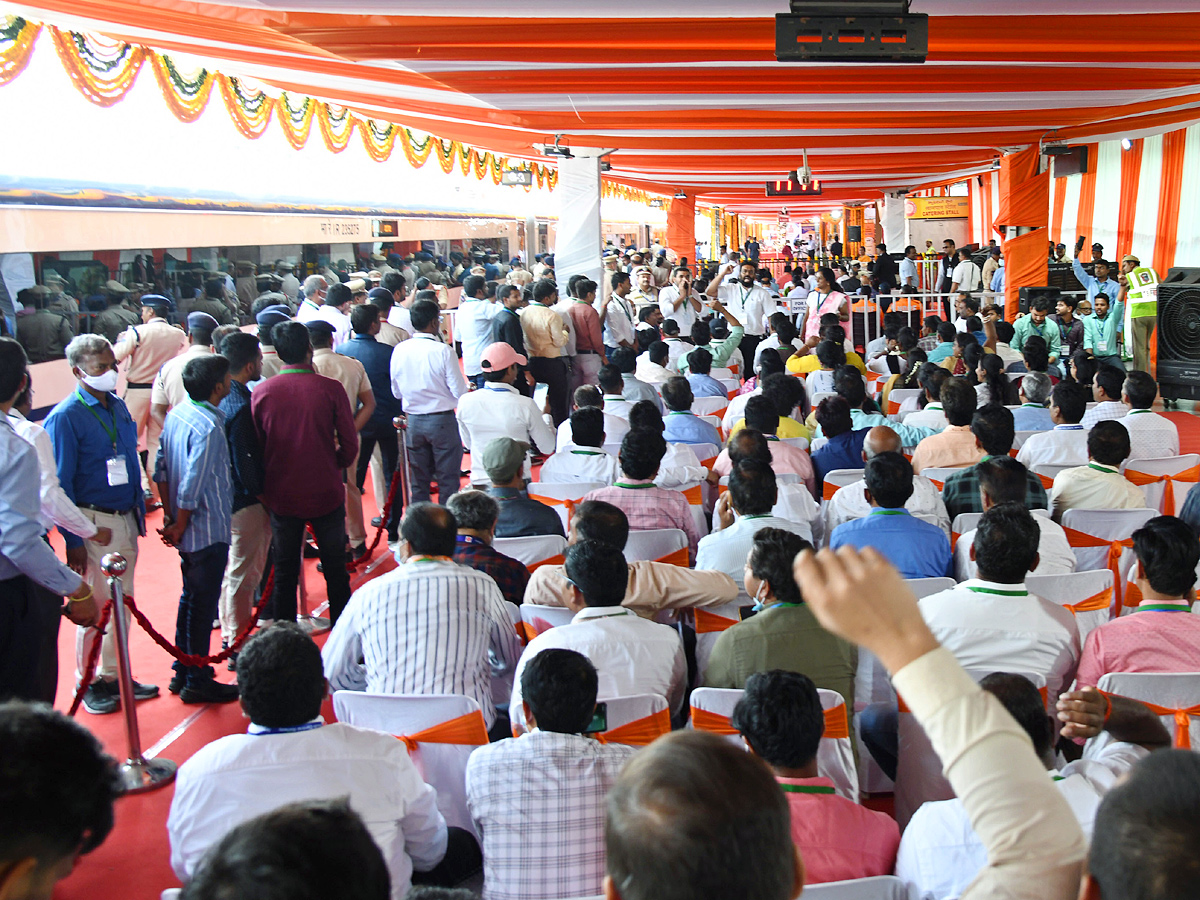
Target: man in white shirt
x,y
631,655
582,460
617,314
794,502
1066,443
1150,435
615,427
336,311
749,301
612,384
545,791
751,496
1099,484
993,622
966,274
676,345
679,302
1004,480
498,410
1107,384
315,287
473,325
430,626
289,754
940,854
651,367
851,502
426,378
908,270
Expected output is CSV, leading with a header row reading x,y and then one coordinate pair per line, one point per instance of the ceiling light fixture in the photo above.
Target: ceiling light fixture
x,y
1126,144
882,31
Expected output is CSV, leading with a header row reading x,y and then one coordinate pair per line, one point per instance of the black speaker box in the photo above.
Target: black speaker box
x,y
854,234
1027,295
1179,335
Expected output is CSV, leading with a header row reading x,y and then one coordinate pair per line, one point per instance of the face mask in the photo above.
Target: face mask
x,y
106,383
760,597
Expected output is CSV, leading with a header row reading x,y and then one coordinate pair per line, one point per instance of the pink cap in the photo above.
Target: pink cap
x,y
499,356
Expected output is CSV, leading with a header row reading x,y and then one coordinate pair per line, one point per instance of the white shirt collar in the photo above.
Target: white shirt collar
x,y
255,728
601,612
978,585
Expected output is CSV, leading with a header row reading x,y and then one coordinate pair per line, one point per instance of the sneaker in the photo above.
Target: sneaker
x,y
376,522
210,691
101,698
357,553
232,665
140,691
177,682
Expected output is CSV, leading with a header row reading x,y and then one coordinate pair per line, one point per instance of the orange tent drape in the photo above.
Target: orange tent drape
x,y
1131,170
1029,200
681,227
1027,264
1087,194
1060,204
1169,198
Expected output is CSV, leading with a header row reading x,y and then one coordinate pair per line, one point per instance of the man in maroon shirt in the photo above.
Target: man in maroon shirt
x,y
307,434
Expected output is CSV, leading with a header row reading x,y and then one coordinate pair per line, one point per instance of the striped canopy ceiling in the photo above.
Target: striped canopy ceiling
x,y
690,98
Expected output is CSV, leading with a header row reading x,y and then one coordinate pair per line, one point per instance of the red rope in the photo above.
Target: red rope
x,y
384,515
89,668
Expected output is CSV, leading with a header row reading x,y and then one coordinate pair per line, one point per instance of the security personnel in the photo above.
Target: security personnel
x,y
247,284
289,284
1139,290
148,347
43,333
168,391
213,302
267,319
117,317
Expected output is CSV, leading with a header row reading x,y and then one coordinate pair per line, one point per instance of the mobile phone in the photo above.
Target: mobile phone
x,y
1079,243
599,721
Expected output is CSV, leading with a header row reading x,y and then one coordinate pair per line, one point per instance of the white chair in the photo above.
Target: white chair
x,y
836,479
613,449
540,618
648,714
731,385
1093,534
939,474
442,766
531,550
705,406
1156,475
1177,691
655,543
708,624
563,496
965,522
705,451
1050,472
721,373
798,443
879,887
872,684
1091,591
1020,437
924,587
714,421
835,755
919,776
897,397
502,684
815,398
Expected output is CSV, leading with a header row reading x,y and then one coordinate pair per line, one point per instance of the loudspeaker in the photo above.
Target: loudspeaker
x,y
1062,276
854,234
1179,335
1027,295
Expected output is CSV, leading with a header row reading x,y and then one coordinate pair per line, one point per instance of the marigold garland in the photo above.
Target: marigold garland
x,y
102,78
186,99
296,123
336,130
16,46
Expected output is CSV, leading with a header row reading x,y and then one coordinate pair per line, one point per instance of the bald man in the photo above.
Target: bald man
x,y
851,503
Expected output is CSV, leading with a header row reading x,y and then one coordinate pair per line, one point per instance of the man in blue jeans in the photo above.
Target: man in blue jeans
x,y
193,471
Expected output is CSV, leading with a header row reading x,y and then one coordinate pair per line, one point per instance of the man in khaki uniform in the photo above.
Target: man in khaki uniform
x,y
350,374
168,391
247,284
148,347
213,302
266,319
289,284
117,317
44,334
60,301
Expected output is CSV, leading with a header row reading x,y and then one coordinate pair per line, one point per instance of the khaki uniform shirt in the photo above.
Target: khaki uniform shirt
x,y
148,347
271,361
44,334
345,370
390,334
168,388
215,308
113,321
247,291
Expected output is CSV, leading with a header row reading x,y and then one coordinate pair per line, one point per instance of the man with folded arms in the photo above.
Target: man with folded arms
x,y
631,654
546,788
651,586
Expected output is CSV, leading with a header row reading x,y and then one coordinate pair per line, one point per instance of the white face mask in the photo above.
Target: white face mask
x,y
760,597
106,383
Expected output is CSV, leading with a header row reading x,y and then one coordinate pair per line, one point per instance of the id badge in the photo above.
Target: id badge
x,y
117,473
1102,346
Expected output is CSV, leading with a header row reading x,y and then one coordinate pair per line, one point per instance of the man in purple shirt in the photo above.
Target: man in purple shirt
x,y
306,431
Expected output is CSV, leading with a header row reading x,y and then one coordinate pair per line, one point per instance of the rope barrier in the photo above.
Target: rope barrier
x,y
384,515
89,666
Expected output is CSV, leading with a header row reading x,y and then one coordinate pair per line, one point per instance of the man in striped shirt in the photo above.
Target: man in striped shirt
x,y
193,474
428,626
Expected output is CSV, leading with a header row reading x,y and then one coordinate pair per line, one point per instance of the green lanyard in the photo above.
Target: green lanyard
x,y
634,487
588,452
1163,607
1100,468
781,605
1141,412
983,590
806,789
295,371
203,405
111,432
889,512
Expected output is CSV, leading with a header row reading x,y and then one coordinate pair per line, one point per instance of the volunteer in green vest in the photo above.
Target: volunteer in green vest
x,y
1139,292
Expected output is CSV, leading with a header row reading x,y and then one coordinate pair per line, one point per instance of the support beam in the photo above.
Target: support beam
x,y
577,247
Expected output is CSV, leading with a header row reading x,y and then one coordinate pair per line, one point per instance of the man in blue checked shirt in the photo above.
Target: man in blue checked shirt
x,y
95,449
682,426
197,492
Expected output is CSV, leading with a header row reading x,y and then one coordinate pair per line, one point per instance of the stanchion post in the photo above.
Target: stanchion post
x,y
137,773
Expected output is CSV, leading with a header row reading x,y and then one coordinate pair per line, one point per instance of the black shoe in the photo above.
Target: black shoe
x,y
211,691
357,553
310,550
177,682
140,691
101,698
232,664
377,521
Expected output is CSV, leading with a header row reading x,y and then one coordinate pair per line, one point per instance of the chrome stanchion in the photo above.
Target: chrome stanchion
x,y
137,773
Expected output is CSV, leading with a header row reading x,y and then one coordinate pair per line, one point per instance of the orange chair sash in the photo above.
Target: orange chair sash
x,y
709,463
828,490
639,732
526,631
1094,603
694,497
467,730
938,484
1183,722
710,623
1115,549
837,723
555,501
1144,478
954,536
557,560
676,557
1046,481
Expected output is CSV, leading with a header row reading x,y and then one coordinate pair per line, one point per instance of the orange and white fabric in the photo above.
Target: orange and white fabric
x,y
1157,479
1175,697
1094,486
1088,595
1102,538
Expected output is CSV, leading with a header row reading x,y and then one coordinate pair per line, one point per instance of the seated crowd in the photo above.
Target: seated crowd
x,y
678,518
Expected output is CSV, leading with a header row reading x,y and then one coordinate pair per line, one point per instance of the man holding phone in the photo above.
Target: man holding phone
x,y
678,301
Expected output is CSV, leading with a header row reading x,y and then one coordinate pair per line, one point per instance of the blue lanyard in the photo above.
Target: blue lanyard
x,y
290,729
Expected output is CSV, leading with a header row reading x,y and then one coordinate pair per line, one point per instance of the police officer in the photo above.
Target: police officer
x,y
213,302
148,347
117,316
43,333
289,284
